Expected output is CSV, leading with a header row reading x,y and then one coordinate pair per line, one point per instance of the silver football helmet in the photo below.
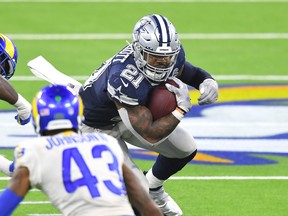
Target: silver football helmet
x,y
156,46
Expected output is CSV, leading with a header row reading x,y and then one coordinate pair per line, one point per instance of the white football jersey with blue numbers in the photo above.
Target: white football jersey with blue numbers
x,y
81,174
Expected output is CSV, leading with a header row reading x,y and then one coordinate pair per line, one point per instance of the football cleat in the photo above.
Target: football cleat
x,y
167,205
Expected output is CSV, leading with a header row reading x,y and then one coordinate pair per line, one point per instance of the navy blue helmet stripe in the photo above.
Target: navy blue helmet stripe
x,y
167,31
160,30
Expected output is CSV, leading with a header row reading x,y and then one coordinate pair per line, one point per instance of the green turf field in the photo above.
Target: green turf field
x,y
260,56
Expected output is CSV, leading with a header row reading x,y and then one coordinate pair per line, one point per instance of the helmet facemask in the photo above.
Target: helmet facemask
x,y
8,57
156,47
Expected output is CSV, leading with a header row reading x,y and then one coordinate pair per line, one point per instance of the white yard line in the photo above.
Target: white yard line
x,y
251,77
208,178
122,36
35,202
147,1
44,215
229,178
217,77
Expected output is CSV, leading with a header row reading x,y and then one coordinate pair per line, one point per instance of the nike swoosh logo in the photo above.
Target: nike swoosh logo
x,y
125,84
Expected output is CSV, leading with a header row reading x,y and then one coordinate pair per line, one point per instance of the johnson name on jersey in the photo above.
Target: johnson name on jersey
x,y
81,174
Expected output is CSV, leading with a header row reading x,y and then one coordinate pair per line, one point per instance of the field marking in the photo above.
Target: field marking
x,y
45,214
217,77
229,178
35,202
205,178
122,36
209,178
251,77
146,1
202,124
8,178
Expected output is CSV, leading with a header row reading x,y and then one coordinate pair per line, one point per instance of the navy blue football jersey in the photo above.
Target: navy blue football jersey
x,y
117,79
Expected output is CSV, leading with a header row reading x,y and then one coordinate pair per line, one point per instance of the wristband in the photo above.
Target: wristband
x,y
23,107
9,201
180,110
178,113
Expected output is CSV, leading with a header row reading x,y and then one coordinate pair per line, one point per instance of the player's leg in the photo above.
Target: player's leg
x,y
175,152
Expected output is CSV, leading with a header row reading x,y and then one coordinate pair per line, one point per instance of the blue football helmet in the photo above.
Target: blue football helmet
x,y
155,36
56,107
8,57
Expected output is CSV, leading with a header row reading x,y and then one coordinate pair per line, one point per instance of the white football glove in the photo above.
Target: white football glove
x,y
209,92
24,109
182,94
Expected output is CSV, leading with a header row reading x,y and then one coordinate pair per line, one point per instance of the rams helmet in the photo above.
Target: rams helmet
x,y
56,107
8,57
155,35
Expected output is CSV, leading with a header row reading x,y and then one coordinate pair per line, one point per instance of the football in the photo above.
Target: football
x,y
162,101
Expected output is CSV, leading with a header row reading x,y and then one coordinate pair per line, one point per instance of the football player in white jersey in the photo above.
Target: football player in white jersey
x,y
82,174
116,95
8,61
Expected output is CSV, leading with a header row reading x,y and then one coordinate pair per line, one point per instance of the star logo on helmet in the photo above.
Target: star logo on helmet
x,y
142,27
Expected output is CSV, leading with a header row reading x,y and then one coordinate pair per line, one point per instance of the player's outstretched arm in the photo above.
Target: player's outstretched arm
x,y
137,195
9,94
17,188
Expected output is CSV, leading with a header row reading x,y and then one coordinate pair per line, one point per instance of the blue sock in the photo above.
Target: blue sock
x,y
165,167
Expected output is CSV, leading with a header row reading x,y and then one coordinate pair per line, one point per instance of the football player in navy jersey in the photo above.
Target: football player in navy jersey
x,y
8,61
116,94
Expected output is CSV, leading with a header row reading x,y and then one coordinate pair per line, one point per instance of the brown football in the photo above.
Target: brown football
x,y
162,101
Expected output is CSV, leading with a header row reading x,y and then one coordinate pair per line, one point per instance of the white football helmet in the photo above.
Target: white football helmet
x,y
154,35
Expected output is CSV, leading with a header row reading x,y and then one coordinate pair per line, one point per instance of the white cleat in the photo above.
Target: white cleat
x,y
167,205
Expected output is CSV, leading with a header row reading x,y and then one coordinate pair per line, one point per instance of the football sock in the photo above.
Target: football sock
x,y
153,181
165,167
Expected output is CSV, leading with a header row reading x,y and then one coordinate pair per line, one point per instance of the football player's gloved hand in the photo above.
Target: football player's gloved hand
x,y
182,94
209,92
22,122
24,110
